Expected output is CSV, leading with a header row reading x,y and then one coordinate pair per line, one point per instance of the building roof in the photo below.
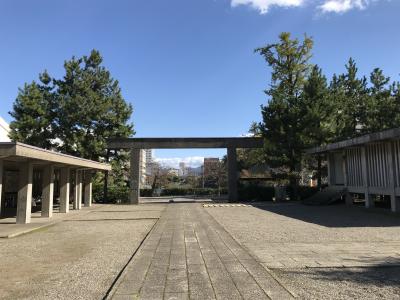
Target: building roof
x,y
361,140
15,151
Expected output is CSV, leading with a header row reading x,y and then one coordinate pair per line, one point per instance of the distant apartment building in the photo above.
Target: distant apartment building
x,y
194,171
149,155
211,171
182,169
4,131
173,172
143,165
211,166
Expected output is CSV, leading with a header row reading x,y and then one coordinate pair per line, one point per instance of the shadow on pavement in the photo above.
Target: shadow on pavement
x,y
332,216
381,273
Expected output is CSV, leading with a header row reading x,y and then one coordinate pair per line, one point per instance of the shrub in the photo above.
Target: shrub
x,y
303,191
184,192
254,192
146,193
116,193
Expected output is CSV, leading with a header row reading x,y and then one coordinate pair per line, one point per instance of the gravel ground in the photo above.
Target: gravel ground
x,y
290,234
74,259
300,223
342,283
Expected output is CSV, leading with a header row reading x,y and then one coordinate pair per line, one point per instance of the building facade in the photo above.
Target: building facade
x,y
4,131
211,166
368,165
182,169
67,176
143,167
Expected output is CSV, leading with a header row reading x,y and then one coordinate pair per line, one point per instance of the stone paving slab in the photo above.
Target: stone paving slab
x,y
188,255
75,258
9,229
297,236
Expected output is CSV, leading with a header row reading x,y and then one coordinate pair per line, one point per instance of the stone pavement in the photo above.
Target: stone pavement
x,y
188,255
287,236
328,255
9,229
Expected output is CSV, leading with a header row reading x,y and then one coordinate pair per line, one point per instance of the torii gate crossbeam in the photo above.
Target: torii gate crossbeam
x,y
230,143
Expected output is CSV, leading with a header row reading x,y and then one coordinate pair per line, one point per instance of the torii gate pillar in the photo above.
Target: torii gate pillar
x,y
134,186
232,175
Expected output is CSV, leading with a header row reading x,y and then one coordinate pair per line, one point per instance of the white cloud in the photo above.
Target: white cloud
x,y
173,162
342,6
324,6
264,5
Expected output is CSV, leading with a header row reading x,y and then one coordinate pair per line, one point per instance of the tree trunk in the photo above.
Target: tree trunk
x,y
105,183
319,172
105,187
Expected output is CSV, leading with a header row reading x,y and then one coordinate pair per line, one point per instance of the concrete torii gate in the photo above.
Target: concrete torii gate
x,y
230,143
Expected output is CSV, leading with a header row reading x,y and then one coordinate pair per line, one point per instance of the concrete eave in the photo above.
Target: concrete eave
x,y
361,140
185,142
16,149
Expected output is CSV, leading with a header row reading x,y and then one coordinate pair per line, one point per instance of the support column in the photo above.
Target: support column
x,y
65,174
134,177
88,188
348,196
331,167
1,185
369,201
232,175
78,190
48,191
394,200
24,202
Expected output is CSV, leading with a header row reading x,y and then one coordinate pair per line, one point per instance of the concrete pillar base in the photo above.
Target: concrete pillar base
x,y
78,190
88,189
24,204
349,199
369,201
394,203
48,191
65,174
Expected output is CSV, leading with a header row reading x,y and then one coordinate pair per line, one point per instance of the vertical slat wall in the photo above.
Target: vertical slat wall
x,y
396,154
354,168
378,162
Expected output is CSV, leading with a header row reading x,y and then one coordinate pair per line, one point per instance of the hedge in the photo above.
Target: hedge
x,y
256,193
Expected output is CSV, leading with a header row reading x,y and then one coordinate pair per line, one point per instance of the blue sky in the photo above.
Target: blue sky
x,y
188,66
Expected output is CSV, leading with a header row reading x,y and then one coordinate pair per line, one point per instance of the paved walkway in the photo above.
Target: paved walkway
x,y
9,228
77,258
298,236
188,255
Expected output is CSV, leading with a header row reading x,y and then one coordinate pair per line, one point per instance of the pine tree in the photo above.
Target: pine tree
x,y
33,113
88,87
248,158
76,114
381,109
350,95
319,109
284,115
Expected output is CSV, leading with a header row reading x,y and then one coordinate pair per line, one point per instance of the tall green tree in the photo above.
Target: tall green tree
x,y
33,113
350,94
319,111
75,114
381,106
284,115
248,158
